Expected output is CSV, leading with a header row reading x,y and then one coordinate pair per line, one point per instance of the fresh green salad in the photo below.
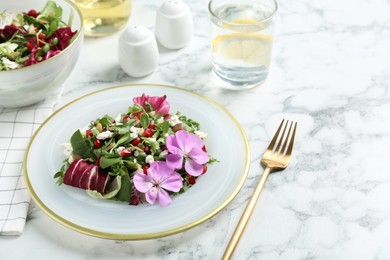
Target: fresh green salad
x,y
146,154
31,37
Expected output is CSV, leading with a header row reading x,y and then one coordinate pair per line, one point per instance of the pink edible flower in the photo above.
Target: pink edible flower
x,y
159,104
184,145
155,184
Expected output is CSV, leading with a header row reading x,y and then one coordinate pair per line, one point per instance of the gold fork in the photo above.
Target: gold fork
x,y
274,158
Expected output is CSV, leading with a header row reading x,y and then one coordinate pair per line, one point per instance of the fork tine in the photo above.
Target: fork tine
x,y
286,140
271,145
291,144
281,138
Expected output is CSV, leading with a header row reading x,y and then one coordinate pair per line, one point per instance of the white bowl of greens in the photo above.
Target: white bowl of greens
x,y
40,43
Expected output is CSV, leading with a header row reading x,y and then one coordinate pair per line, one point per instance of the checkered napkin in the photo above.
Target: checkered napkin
x,y
16,128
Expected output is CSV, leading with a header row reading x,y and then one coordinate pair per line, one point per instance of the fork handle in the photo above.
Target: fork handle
x,y
245,216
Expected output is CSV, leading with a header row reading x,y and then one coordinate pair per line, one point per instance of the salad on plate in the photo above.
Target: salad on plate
x,y
31,37
146,154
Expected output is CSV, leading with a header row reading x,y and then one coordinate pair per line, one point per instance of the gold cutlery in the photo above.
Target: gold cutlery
x,y
274,158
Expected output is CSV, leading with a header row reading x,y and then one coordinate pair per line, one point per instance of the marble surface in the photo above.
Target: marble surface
x,y
330,72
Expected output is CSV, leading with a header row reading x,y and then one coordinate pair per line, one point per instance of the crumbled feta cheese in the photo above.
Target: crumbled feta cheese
x,y
118,118
104,135
136,153
174,120
135,132
120,149
164,153
67,149
160,120
149,159
9,64
201,134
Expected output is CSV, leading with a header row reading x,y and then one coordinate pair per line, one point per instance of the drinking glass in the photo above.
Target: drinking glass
x,y
242,35
104,17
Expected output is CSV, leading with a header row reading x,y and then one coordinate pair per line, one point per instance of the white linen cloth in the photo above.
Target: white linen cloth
x,y
16,128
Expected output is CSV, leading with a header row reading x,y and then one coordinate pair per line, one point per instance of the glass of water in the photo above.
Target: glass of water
x,y
241,41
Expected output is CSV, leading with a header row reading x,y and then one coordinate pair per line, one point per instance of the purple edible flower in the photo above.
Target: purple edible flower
x,y
184,145
158,180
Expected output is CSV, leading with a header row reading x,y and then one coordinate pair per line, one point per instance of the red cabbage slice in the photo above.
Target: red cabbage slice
x,y
84,175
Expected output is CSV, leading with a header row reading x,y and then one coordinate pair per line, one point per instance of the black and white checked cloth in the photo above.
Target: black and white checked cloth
x,y
16,128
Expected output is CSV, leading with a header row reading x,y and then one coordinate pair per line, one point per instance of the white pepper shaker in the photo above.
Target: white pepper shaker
x,y
138,51
174,25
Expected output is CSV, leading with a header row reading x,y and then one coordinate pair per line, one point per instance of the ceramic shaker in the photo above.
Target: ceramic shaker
x,y
137,51
174,24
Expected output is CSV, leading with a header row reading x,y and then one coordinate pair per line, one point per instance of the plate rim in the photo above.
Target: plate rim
x,y
151,235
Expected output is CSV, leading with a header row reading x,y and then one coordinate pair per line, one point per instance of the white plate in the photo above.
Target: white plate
x,y
73,208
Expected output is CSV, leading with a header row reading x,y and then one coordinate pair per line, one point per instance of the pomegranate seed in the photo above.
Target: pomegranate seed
x,y
126,118
148,132
204,169
88,133
151,126
33,13
138,114
29,46
145,169
191,180
97,143
204,148
136,141
125,152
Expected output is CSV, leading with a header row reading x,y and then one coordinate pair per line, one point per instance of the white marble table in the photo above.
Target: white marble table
x,y
331,72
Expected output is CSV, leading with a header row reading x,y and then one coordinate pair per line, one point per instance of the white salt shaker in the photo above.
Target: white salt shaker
x,y
138,51
174,25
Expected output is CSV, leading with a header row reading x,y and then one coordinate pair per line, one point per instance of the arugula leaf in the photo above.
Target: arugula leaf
x,y
124,193
135,109
165,127
33,21
149,106
144,121
121,130
109,160
124,139
60,176
50,16
80,145
130,165
106,121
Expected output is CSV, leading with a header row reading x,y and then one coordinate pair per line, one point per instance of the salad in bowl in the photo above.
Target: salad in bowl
x,y
40,42
31,37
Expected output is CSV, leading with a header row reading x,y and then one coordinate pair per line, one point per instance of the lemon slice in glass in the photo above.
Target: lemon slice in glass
x,y
244,43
